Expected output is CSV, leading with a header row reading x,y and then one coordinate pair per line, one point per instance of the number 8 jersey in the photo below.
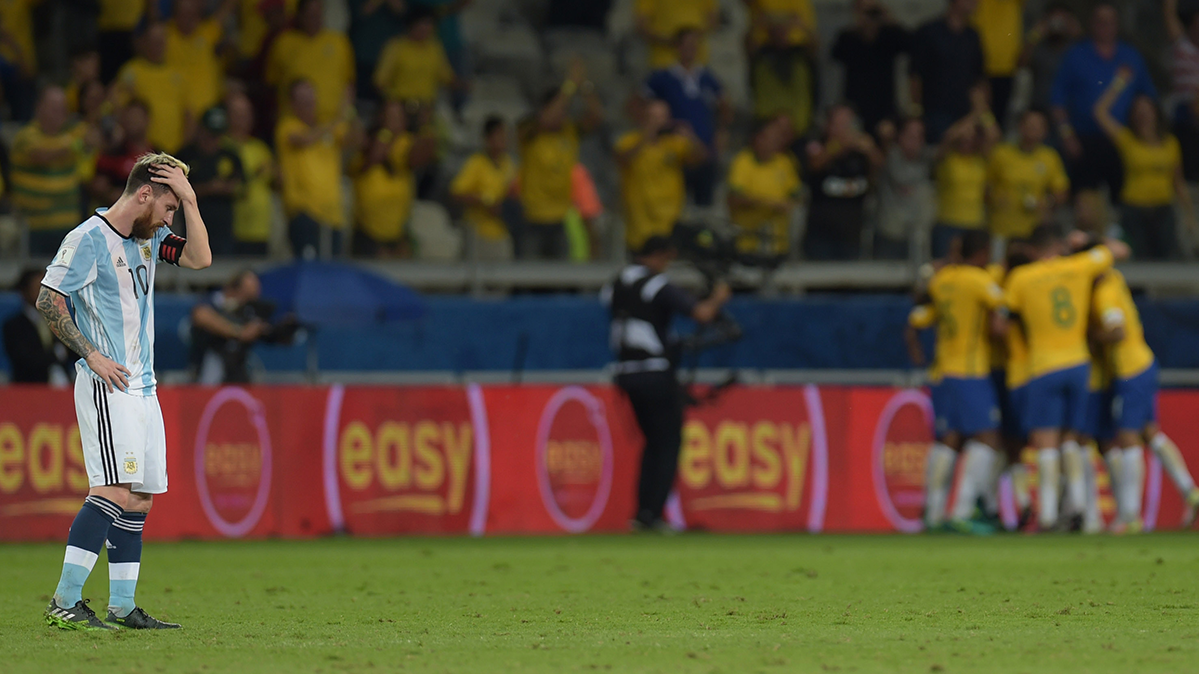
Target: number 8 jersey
x,y
109,279
1053,298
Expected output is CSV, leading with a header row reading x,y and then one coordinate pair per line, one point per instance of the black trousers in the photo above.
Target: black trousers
x,y
657,403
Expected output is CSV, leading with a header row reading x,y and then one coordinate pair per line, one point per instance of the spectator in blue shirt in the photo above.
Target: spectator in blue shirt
x,y
694,96
1086,71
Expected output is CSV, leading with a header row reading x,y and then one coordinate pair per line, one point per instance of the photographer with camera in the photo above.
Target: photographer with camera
x,y
643,304
227,324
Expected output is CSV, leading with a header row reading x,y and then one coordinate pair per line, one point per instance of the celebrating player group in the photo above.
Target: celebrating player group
x,y
1047,352
105,267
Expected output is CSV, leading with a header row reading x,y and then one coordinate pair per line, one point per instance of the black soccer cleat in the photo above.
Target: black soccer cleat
x,y
78,617
138,619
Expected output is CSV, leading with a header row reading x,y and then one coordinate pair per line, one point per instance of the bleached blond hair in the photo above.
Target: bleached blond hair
x,y
140,175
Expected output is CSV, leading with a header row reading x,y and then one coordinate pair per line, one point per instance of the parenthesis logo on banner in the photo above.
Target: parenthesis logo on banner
x,y
902,440
233,462
574,458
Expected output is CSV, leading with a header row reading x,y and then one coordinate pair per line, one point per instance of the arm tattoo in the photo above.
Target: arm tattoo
x,y
53,307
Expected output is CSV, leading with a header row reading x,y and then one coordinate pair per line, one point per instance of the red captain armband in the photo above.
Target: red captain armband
x,y
171,249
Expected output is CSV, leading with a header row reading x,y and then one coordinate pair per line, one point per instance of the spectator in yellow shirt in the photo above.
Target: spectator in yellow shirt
x,y
414,68
149,78
117,21
45,176
192,42
384,185
651,163
1000,26
783,54
961,174
549,148
482,186
763,193
660,21
315,53
252,211
1153,178
310,162
1027,180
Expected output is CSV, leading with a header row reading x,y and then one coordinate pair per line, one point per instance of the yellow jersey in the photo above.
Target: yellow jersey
x,y
961,190
764,13
162,88
1149,170
652,185
491,182
1113,306
311,174
252,211
383,193
1020,182
962,298
194,56
413,71
998,273
1016,349
1000,26
546,161
1052,298
774,181
325,59
665,18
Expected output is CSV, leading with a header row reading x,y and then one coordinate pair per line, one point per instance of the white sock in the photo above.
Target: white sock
x,y
1076,485
975,475
1092,519
1047,481
938,472
1172,459
1020,491
998,464
1132,483
1115,474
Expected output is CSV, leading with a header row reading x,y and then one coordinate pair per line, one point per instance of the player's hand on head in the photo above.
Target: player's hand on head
x,y
174,178
113,374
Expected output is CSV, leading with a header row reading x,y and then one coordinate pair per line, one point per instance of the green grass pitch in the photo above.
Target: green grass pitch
x,y
693,603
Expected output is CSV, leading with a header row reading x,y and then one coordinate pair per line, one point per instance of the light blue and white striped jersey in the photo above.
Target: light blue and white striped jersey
x,y
110,281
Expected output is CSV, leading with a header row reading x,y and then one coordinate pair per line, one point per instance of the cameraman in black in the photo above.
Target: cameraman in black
x,y
227,324
643,304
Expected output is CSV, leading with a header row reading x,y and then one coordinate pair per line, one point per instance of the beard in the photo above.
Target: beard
x,y
144,227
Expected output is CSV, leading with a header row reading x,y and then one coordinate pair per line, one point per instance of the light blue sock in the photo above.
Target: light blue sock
x,y
84,541
124,561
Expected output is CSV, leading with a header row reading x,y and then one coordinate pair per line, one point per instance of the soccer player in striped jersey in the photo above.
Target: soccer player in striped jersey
x,y
1051,298
1134,405
961,301
105,267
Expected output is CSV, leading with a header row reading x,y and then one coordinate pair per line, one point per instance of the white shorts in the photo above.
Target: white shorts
x,y
124,441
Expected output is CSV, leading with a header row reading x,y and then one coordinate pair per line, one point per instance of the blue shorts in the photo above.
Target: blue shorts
x,y
1134,405
1058,400
965,406
1009,421
1099,424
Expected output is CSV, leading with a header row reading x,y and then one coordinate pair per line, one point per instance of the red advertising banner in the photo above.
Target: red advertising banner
x,y
307,461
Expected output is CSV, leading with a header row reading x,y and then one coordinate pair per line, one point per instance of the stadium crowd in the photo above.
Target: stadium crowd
x,y
355,131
